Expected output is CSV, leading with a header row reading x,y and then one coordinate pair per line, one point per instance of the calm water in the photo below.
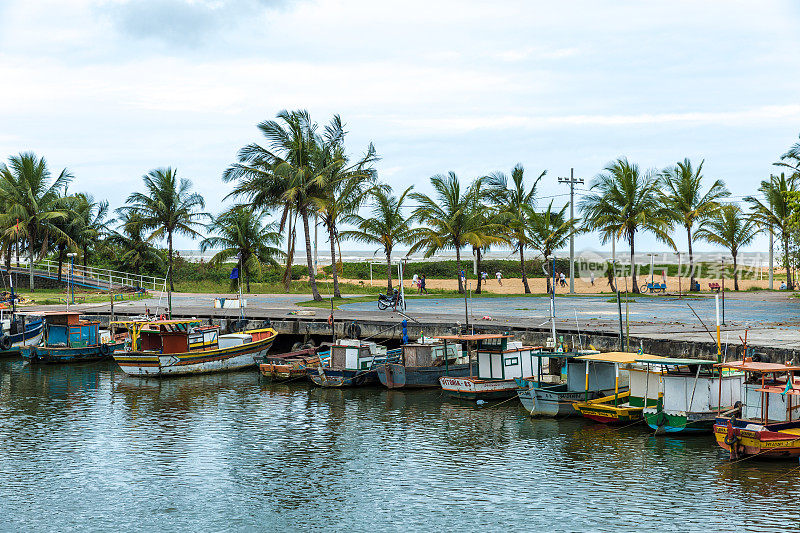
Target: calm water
x,y
84,446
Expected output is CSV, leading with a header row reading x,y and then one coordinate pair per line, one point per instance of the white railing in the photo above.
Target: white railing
x,y
102,276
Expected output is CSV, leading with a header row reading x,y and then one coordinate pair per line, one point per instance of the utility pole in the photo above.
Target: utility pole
x,y
572,180
771,246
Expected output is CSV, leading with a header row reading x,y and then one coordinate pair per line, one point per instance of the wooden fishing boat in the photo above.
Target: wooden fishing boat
x,y
498,360
766,427
691,393
18,330
68,338
353,363
423,363
291,366
622,407
540,397
178,347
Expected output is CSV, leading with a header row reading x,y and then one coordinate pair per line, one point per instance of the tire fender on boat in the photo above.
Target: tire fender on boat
x,y
105,349
5,342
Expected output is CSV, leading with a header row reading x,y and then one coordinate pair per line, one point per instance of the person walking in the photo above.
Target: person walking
x,y
499,276
563,280
422,285
415,281
591,277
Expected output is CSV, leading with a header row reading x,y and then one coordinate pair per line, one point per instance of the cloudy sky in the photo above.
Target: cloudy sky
x,y
111,89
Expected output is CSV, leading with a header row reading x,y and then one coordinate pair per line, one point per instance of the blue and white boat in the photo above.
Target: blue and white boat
x,y
19,330
68,338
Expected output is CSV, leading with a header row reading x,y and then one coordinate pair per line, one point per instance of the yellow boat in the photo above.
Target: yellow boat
x,y
624,406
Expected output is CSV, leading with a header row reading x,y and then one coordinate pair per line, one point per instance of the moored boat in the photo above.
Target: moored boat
x,y
691,393
542,397
69,338
766,427
18,330
422,363
178,347
499,362
290,366
622,407
353,363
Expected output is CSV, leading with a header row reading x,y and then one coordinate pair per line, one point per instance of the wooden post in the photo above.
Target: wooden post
x,y
586,393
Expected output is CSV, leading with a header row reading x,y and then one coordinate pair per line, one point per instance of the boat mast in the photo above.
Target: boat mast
x,y
553,302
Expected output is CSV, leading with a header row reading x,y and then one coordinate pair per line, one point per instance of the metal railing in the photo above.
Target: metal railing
x,y
101,277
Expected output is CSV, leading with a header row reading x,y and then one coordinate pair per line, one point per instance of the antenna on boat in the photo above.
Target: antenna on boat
x,y
703,323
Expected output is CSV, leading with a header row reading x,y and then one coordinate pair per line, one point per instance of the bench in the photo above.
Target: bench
x,y
714,286
657,287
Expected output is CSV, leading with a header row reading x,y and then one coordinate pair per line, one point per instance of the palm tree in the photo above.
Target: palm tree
x,y
283,175
91,222
791,159
31,199
168,208
626,202
342,188
684,198
773,210
550,231
387,227
242,234
515,203
446,217
133,251
729,227
482,229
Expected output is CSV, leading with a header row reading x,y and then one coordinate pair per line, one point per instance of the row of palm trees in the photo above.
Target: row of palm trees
x,y
303,174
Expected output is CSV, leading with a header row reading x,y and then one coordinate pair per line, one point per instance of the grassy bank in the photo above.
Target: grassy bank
x,y
55,297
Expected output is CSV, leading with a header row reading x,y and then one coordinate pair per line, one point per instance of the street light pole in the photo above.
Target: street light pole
x,y
572,180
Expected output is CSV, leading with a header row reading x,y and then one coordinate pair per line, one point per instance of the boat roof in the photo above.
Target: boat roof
x,y
618,357
155,322
59,313
673,361
779,390
474,337
748,365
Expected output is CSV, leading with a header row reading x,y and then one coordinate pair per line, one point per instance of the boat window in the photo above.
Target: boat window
x,y
512,361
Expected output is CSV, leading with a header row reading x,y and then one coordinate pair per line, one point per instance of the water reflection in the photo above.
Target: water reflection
x,y
227,451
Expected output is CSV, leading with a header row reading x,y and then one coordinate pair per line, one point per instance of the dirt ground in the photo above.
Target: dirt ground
x,y
582,286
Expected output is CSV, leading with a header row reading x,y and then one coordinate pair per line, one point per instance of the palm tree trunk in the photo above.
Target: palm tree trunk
x,y
290,238
169,261
461,287
691,257
60,260
789,283
549,276
334,270
388,272
735,273
633,266
312,278
522,265
31,240
480,272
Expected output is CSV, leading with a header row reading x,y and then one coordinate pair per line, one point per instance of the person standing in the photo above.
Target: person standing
x,y
415,281
499,276
563,280
591,277
422,285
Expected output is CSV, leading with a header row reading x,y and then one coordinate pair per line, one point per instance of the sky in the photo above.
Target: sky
x,y
111,89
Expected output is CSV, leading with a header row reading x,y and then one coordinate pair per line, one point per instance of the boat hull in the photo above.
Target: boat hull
x,y
555,402
220,360
282,373
744,438
468,388
50,354
340,378
397,376
688,423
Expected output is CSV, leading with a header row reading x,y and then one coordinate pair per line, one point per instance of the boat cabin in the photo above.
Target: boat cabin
x,y
692,385
354,354
615,370
499,357
67,329
179,336
768,391
427,353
